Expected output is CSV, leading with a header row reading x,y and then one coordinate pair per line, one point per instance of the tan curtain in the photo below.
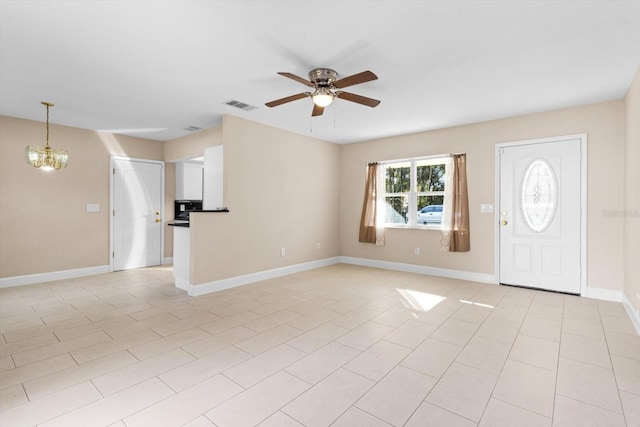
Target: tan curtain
x,y
369,216
456,222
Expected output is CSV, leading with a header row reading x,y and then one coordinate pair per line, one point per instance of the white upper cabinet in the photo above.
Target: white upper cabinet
x,y
189,177
213,161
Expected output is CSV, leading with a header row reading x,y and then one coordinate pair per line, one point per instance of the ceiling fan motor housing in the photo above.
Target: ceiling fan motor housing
x,y
323,76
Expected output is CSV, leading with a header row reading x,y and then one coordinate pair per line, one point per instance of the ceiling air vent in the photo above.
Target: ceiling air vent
x,y
241,105
192,128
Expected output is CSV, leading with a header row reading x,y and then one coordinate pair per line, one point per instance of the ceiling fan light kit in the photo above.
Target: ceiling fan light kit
x,y
322,97
326,87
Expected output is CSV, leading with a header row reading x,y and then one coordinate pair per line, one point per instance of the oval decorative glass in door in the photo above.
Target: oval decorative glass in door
x,y
539,195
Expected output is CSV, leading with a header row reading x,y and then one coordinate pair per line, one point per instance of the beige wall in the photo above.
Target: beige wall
x,y
192,145
169,198
282,191
44,226
291,191
186,147
604,124
632,196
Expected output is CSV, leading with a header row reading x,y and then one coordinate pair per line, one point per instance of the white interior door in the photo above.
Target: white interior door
x,y
137,214
540,215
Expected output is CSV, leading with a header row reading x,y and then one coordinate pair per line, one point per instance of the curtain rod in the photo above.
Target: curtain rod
x,y
408,159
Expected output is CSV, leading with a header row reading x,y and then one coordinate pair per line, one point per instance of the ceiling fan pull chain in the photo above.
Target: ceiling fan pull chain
x,y
334,116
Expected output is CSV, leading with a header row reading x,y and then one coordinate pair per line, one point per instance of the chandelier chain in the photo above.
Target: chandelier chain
x,y
47,140
47,104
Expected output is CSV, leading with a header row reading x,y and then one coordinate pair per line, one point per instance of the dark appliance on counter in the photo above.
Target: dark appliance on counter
x,y
184,207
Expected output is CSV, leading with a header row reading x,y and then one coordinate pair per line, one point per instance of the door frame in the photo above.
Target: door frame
x,y
583,201
112,163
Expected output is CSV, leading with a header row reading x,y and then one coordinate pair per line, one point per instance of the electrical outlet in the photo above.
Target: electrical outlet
x,y
416,251
486,208
93,207
318,245
283,252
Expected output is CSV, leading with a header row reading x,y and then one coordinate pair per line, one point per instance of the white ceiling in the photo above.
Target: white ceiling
x,y
152,68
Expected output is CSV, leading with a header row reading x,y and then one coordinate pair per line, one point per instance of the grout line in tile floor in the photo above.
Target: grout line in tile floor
x,y
469,322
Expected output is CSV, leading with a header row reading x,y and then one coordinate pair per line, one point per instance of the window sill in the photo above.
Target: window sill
x,y
414,227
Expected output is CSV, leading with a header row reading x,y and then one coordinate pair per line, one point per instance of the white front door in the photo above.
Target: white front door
x,y
540,215
137,214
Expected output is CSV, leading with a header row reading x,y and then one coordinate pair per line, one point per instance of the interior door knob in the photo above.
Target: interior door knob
x,y
504,222
158,220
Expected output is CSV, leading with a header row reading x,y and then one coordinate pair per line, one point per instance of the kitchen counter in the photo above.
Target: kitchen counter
x,y
215,210
186,223
182,250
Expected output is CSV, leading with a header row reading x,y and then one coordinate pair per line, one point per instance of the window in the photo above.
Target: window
x,y
414,192
539,195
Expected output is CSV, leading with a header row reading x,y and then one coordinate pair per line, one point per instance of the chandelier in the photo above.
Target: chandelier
x,y
46,158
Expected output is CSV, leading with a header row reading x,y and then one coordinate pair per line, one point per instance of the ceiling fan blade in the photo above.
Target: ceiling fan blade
x,y
369,102
365,76
317,110
298,79
287,99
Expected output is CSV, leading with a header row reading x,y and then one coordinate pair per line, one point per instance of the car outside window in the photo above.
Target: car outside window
x,y
414,192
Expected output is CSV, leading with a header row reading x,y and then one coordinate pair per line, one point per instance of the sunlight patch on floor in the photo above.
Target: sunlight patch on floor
x,y
420,301
476,303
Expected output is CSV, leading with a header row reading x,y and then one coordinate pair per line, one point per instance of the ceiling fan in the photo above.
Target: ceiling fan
x,y
326,87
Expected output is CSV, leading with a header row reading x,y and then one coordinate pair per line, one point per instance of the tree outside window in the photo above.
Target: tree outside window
x,y
411,187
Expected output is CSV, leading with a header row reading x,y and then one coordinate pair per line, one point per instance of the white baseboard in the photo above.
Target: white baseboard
x,y
421,269
232,282
633,314
182,284
603,294
167,261
29,279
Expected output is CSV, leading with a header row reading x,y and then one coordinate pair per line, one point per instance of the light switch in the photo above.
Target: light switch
x,y
93,207
486,208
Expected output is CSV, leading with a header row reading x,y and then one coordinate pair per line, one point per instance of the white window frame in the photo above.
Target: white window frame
x,y
413,194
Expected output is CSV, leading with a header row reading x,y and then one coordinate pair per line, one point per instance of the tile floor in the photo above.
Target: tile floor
x,y
340,346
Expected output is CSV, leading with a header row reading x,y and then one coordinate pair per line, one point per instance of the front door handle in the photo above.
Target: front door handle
x,y
504,222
